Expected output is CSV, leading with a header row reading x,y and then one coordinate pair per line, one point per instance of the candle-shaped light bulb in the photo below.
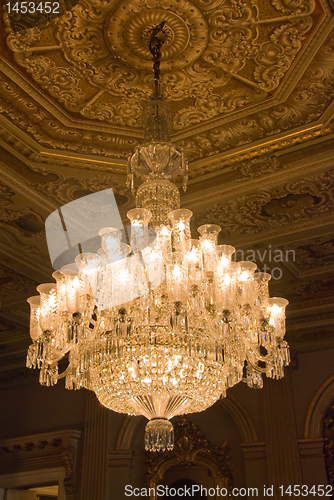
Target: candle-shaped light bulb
x,y
177,283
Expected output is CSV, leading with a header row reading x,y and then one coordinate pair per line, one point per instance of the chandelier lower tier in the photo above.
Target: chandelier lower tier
x,y
165,326
201,323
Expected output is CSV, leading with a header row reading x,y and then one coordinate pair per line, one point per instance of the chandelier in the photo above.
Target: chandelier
x,y
199,322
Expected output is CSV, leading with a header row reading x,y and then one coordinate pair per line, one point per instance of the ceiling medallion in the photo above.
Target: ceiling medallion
x,y
166,326
127,34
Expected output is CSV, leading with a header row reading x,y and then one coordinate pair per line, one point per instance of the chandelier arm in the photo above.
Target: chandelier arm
x,y
59,376
268,359
265,359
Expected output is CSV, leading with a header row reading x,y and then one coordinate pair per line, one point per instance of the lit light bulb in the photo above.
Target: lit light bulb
x,y
207,245
227,280
164,231
243,276
123,275
154,256
275,309
193,255
224,261
177,273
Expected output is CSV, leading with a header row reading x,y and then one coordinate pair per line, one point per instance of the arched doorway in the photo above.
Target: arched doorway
x,y
192,456
183,484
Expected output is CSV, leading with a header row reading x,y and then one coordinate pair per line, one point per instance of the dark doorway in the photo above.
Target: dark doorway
x,y
185,483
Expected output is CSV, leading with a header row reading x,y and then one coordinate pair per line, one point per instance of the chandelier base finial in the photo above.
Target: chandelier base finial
x,y
159,435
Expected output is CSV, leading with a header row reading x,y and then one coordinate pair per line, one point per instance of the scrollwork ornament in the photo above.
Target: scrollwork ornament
x,y
14,285
257,167
283,204
68,458
276,56
64,190
313,255
295,7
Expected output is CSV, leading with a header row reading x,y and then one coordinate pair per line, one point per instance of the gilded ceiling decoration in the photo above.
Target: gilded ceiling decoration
x,y
284,203
219,55
13,284
64,190
314,255
222,59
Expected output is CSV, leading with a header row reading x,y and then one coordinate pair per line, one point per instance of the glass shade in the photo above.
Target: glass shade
x,y
74,289
177,283
48,306
35,329
181,234
140,233
277,307
209,241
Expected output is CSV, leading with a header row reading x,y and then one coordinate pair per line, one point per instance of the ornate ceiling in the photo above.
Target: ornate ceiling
x,y
251,86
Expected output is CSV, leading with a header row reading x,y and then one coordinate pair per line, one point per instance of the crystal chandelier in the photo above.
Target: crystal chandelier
x,y
200,324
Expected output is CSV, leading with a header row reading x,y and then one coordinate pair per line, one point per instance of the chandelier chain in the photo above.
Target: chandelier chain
x,y
156,43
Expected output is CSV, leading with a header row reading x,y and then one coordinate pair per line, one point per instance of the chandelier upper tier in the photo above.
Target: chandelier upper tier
x,y
162,327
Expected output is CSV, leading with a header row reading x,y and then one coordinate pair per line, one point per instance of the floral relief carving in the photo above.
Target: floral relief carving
x,y
123,114
212,48
285,203
257,167
275,57
295,7
297,290
25,221
19,225
305,104
48,131
14,284
64,190
313,254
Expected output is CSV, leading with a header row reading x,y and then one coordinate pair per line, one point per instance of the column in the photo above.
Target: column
x,y
94,464
283,462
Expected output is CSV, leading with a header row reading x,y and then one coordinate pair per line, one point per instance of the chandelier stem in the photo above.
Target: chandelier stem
x,y
156,43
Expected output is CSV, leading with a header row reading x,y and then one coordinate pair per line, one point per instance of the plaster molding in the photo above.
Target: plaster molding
x,y
49,451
